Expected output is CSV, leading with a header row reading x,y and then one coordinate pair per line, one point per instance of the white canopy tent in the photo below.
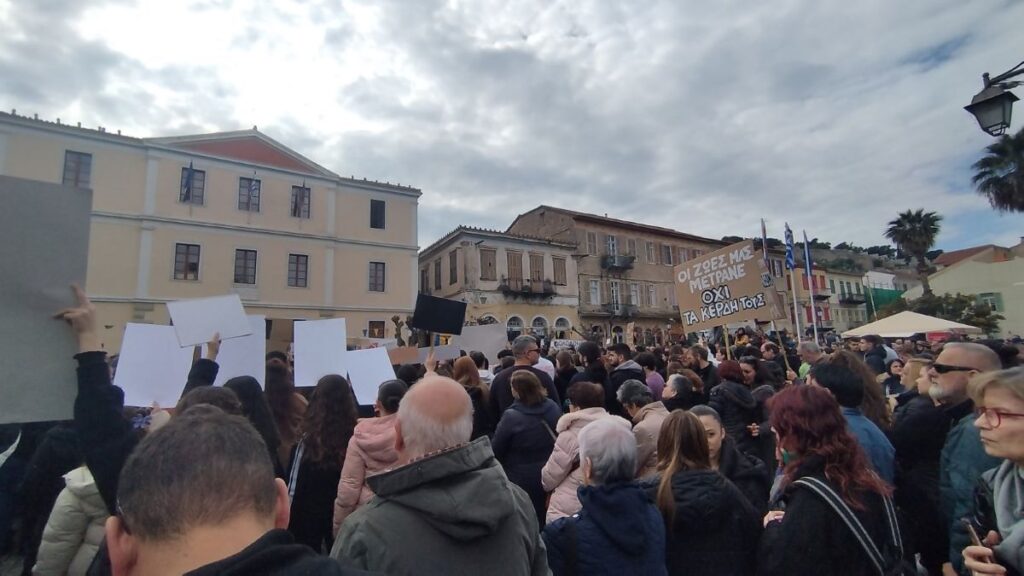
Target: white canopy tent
x,y
906,324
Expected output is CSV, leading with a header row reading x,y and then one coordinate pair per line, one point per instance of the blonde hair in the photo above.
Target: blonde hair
x,y
1011,379
912,368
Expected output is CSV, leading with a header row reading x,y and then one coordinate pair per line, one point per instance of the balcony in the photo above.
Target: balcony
x,y
852,299
617,263
621,310
822,295
518,287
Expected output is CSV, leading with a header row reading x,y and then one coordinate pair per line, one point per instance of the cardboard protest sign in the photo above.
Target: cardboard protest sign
x,y
367,370
152,366
729,285
487,338
44,246
404,355
244,356
198,319
438,315
319,350
441,353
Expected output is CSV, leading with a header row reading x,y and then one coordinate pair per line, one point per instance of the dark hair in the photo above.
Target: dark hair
x,y
390,394
504,353
507,362
277,355
772,346
705,410
730,370
589,352
809,423
329,421
674,368
874,405
256,409
872,339
682,445
621,349
889,364
408,373
586,395
647,360
479,359
222,398
699,352
204,467
563,360
528,387
841,382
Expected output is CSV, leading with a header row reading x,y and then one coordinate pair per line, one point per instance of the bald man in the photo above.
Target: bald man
x,y
963,457
448,507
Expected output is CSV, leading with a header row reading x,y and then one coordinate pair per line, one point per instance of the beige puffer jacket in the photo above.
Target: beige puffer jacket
x,y
647,427
75,529
371,451
562,473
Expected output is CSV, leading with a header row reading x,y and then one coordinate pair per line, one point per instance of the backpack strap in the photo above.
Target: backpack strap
x,y
572,560
836,503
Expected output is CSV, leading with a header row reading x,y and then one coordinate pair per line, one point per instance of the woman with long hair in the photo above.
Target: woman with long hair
x,y
820,457
733,401
565,369
748,473
288,408
257,411
892,385
711,528
317,459
467,374
874,407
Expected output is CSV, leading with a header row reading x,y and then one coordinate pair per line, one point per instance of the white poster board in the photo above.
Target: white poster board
x,y
152,366
197,320
441,353
319,349
489,339
367,370
244,356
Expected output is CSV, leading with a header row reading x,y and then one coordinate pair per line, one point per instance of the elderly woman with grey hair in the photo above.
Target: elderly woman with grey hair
x,y
618,530
647,417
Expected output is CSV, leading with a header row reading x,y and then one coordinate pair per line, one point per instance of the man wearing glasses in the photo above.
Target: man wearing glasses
x,y
963,457
527,353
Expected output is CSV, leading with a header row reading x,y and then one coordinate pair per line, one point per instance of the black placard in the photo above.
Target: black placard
x,y
438,315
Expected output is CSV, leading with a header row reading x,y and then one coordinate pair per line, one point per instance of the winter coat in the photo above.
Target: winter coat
x,y
646,427
811,539
562,380
562,473
315,489
714,530
275,554
452,512
370,451
738,409
875,359
595,373
75,529
482,423
747,473
500,398
617,532
628,370
709,374
523,442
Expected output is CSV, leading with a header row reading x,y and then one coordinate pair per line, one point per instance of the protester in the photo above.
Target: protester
x,y
561,475
649,363
467,374
736,405
74,531
683,391
893,384
618,529
810,537
526,352
875,406
525,437
370,451
746,472
315,468
412,527
483,367
593,367
810,354
257,411
712,527
647,416
873,353
623,368
288,407
565,371
999,397
697,357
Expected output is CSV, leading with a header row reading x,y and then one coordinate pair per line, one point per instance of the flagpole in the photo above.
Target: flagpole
x,y
791,266
808,271
767,265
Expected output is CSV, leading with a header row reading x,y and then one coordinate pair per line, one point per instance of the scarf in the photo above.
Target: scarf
x,y
1008,501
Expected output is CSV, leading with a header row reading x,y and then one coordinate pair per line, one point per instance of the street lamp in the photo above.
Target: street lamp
x,y
993,106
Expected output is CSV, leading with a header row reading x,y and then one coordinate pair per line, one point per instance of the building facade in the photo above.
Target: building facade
x,y
528,284
848,300
813,298
205,215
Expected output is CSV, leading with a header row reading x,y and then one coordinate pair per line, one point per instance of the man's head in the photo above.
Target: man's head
x,y
607,452
202,471
955,366
809,352
618,353
847,387
479,359
526,350
584,395
699,355
869,342
434,414
769,351
634,395
647,361
590,353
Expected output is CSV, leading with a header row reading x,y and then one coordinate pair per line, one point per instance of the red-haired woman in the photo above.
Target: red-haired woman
x,y
820,456
736,405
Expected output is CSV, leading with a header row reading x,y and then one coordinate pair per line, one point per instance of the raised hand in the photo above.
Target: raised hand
x,y
213,347
82,319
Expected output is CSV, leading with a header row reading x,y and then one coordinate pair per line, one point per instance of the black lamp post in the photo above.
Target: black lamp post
x,y
993,106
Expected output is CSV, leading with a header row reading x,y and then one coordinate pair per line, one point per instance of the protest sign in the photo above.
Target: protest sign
x,y
198,319
487,338
728,285
438,315
404,355
152,366
44,245
244,356
631,334
441,353
563,344
367,370
319,350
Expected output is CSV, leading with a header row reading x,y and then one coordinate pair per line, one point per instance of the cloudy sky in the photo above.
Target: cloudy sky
x,y
701,116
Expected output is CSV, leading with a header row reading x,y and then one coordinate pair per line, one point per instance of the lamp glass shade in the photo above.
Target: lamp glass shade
x,y
992,108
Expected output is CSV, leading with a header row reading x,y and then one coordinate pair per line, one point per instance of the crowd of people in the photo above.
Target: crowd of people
x,y
743,456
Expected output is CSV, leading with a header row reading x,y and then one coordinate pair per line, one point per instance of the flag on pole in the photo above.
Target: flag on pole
x,y
810,283
764,243
807,257
790,259
186,192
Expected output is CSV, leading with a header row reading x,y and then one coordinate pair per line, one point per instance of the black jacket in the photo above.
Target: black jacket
x,y
563,378
714,531
875,359
628,370
501,390
275,553
482,423
312,509
709,374
747,473
522,444
738,409
595,373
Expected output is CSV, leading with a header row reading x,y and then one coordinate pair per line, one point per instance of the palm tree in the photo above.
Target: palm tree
x,y
914,233
1000,174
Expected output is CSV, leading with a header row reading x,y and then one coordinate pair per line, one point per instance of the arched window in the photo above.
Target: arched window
x,y
540,327
618,335
515,327
562,328
487,319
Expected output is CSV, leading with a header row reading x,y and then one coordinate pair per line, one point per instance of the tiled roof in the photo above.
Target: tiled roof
x,y
950,258
498,233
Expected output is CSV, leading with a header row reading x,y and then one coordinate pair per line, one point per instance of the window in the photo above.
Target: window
x,y
186,262
591,243
377,214
515,268
425,280
245,266
453,267
612,245
634,293
595,292
536,267
193,186
672,296
831,285
298,270
562,328
488,266
652,296
616,296
437,274
666,254
515,327
77,169
857,288
300,202
376,276
539,327
991,299
375,329
559,268
650,252
249,194
683,254
631,247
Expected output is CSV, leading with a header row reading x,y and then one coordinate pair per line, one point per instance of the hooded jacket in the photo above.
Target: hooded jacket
x,y
747,473
370,451
562,475
453,512
714,529
647,426
736,405
628,370
75,529
523,442
618,531
275,553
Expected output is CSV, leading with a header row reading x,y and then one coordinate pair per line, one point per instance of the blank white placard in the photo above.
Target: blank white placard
x,y
244,356
489,339
319,350
367,370
198,319
152,366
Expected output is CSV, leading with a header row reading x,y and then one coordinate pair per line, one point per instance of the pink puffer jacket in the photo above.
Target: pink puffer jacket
x,y
562,472
371,451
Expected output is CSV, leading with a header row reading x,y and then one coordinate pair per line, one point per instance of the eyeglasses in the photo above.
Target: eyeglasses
x,y
945,368
994,417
